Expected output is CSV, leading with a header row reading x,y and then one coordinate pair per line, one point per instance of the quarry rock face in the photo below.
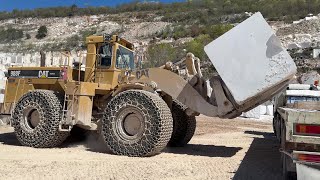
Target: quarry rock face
x,y
33,58
64,29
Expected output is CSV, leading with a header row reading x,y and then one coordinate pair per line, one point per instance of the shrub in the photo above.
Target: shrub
x,y
10,34
42,32
28,36
216,31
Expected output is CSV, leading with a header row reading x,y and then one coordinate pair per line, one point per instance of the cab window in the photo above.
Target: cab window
x,y
105,55
124,59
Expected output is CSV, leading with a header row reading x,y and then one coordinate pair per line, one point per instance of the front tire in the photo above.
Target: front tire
x,y
36,118
184,126
137,123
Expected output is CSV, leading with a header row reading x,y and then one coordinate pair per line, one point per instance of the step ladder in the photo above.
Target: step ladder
x,y
68,117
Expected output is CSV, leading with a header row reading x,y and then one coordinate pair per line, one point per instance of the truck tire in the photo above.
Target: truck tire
x,y
274,122
286,160
137,123
36,119
184,126
277,123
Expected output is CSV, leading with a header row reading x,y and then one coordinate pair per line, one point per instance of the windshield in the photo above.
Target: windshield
x,y
125,59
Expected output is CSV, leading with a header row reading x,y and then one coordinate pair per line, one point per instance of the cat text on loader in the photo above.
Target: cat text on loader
x,y
139,112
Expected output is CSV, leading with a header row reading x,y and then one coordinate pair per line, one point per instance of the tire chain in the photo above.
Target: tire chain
x,y
46,134
158,124
184,125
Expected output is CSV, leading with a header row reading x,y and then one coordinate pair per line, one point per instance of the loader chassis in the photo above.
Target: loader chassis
x,y
47,102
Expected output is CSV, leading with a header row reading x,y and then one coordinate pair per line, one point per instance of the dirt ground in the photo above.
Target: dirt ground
x,y
220,149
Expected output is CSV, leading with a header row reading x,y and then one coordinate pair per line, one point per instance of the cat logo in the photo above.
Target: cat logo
x,y
43,74
143,72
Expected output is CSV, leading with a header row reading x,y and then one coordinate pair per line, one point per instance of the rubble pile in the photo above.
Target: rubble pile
x,y
302,39
310,77
304,34
310,27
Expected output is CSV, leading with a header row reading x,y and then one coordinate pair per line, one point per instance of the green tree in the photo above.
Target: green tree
x,y
159,54
73,10
42,32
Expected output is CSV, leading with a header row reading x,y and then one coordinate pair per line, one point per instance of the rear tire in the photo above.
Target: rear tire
x,y
36,118
277,124
286,160
137,123
184,126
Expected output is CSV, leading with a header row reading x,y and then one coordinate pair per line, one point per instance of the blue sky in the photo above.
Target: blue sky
x,y
9,5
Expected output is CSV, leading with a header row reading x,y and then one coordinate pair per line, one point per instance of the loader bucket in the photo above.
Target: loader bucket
x,y
251,62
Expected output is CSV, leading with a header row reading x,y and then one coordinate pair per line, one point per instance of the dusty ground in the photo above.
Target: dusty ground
x,y
221,149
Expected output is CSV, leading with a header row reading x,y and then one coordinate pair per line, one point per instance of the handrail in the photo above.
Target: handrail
x,y
81,61
81,56
16,94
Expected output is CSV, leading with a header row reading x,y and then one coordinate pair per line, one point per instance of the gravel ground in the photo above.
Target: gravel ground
x,y
221,149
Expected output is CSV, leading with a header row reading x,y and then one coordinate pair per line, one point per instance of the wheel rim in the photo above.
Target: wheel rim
x,y
130,124
31,117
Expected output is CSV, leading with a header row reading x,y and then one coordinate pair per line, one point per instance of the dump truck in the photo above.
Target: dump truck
x,y
140,111
296,125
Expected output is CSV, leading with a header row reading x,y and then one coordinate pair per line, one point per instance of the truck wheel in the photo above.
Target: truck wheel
x,y
36,119
274,122
287,175
286,160
277,123
137,123
184,126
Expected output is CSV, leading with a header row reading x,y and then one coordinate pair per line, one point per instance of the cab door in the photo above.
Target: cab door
x,y
106,72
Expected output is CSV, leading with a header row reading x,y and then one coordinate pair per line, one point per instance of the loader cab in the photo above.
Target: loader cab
x,y
122,56
107,57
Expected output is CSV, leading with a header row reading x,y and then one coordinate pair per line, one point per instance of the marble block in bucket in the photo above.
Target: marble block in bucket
x,y
250,59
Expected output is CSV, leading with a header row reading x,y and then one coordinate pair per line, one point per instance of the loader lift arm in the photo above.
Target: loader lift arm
x,y
219,104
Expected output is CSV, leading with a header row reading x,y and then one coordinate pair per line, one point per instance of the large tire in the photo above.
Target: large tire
x,y
184,126
137,123
277,121
36,119
274,122
286,160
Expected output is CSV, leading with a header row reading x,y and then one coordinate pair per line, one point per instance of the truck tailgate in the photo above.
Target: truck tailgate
x,y
298,121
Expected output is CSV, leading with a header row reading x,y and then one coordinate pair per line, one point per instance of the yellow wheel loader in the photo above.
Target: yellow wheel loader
x,y
140,112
